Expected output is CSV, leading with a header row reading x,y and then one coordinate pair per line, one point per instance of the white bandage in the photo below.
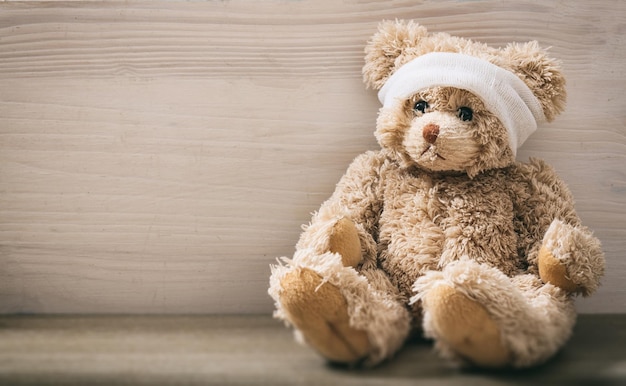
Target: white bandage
x,y
502,92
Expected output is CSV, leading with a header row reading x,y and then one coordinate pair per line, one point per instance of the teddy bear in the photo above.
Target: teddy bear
x,y
441,232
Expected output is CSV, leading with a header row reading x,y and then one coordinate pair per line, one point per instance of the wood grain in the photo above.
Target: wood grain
x,y
156,157
256,350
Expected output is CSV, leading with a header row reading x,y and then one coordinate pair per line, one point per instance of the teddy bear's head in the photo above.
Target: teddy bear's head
x,y
451,104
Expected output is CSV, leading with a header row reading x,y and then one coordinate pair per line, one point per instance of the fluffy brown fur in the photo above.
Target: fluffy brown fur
x,y
481,252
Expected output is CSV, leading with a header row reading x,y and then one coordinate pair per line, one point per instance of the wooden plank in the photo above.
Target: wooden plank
x,y
157,157
253,350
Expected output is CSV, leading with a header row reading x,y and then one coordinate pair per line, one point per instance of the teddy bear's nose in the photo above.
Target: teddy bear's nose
x,y
430,132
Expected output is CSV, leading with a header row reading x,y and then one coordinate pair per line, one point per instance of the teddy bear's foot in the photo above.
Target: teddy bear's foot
x,y
466,327
320,312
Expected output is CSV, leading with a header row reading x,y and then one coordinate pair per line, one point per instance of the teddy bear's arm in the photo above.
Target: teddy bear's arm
x,y
566,254
347,221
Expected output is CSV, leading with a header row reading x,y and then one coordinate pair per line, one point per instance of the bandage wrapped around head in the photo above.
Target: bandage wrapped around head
x,y
502,92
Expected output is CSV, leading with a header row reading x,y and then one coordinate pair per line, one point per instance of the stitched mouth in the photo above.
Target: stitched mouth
x,y
436,154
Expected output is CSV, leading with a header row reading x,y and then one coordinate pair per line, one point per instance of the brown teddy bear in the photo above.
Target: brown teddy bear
x,y
441,229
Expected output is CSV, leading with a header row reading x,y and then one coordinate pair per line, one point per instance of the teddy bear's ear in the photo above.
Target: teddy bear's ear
x,y
385,50
541,73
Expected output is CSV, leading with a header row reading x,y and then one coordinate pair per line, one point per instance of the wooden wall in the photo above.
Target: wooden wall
x,y
156,157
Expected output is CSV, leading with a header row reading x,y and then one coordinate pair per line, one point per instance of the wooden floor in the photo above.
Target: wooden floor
x,y
256,350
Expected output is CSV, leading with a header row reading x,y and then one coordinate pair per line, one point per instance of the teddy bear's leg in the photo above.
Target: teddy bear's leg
x,y
345,315
320,312
319,309
477,314
466,326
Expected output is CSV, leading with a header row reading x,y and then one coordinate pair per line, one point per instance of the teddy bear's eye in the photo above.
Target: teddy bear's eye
x,y
465,113
420,106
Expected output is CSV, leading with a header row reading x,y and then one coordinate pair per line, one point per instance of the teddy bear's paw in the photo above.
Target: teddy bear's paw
x,y
552,271
344,240
320,312
332,232
464,326
571,258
